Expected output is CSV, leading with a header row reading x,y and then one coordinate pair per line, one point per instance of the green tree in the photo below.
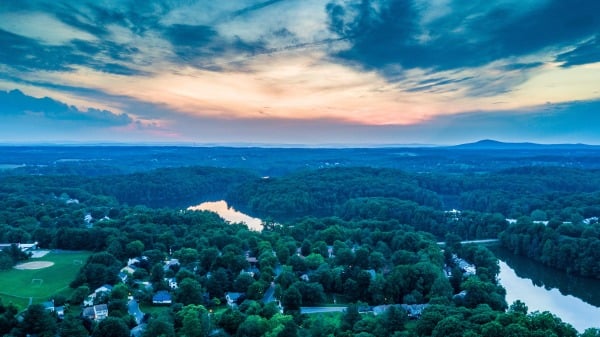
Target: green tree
x,y
194,321
134,248
230,320
37,320
111,327
292,299
73,327
79,295
253,326
189,292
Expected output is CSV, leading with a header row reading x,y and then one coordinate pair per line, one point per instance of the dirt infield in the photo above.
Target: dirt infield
x,y
34,265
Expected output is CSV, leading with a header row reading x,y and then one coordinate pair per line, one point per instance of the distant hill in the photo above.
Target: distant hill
x,y
489,144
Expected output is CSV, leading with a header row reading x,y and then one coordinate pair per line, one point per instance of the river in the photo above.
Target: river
x,y
229,214
575,300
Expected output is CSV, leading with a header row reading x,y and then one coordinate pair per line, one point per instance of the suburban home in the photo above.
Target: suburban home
x,y
105,289
172,282
49,305
233,298
171,263
128,269
60,312
24,247
467,268
123,276
162,297
96,312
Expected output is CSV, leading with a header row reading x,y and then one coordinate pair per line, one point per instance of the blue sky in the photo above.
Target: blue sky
x,y
300,72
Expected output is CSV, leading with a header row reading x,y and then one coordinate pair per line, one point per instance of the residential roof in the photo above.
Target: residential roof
x,y
100,307
89,312
233,296
161,296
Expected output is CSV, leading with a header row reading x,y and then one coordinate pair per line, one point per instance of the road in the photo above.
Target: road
x,y
269,294
442,243
134,310
317,310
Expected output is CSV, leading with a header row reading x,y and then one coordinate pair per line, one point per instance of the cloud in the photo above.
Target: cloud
x,y
18,105
584,53
390,34
27,54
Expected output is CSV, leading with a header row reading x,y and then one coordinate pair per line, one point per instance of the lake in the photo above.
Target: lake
x,y
575,300
229,214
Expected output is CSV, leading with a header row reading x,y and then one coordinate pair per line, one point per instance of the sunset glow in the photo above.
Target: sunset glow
x,y
176,70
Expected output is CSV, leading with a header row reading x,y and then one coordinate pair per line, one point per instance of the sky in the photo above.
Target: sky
x,y
307,72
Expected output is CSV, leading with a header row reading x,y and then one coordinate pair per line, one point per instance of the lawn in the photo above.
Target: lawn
x,y
21,286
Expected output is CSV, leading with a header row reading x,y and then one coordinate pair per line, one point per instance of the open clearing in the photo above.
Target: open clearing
x,y
21,285
34,265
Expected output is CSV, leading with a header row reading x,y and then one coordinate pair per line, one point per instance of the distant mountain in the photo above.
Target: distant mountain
x,y
489,144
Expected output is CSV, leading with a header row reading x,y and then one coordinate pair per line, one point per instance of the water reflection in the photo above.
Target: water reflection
x,y
547,289
229,214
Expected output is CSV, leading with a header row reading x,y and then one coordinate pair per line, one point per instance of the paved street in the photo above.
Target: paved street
x,y
134,310
317,310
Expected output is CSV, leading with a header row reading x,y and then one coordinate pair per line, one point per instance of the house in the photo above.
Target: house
x,y
467,268
162,297
453,214
233,298
88,312
172,263
96,312
24,247
104,290
250,271
414,310
60,312
100,311
49,305
123,276
128,269
172,282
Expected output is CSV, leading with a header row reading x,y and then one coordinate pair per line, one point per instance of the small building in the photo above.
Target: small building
x,y
172,282
233,298
172,263
49,305
467,268
162,297
60,312
96,312
123,276
106,288
414,310
101,311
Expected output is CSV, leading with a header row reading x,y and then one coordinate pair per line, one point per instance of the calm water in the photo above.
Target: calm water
x,y
229,214
575,300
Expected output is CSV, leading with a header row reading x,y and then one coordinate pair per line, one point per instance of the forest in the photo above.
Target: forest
x,y
362,237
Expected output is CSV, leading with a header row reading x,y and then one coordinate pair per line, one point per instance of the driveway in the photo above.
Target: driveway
x,y
134,310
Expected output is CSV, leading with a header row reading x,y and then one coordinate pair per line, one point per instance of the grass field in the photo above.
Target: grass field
x,y
16,286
